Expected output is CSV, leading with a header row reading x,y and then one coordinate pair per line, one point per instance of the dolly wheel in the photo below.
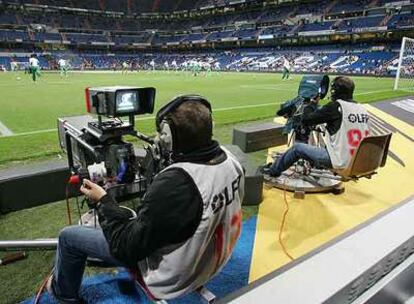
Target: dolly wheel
x,y
299,194
338,191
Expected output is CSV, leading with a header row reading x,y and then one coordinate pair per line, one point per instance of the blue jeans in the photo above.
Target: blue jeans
x,y
75,244
318,157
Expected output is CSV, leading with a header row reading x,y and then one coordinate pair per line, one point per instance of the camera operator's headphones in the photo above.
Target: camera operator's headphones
x,y
167,130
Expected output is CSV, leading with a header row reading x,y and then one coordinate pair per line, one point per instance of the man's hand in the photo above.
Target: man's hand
x,y
93,191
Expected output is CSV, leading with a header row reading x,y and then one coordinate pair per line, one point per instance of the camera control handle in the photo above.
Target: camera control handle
x,y
144,138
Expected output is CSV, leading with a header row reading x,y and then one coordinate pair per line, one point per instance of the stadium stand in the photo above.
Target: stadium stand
x,y
252,28
361,61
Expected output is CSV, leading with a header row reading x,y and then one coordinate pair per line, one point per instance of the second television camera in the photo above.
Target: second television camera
x,y
96,147
312,88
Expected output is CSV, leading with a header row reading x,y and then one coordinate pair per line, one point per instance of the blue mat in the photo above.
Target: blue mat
x,y
119,288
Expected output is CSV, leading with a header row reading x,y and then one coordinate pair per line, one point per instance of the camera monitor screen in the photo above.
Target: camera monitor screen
x,y
127,102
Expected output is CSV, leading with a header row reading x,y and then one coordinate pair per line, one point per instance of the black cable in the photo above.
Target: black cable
x,y
42,287
67,205
79,212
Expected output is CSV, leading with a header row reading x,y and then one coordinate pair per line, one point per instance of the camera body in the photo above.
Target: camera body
x,y
310,89
96,147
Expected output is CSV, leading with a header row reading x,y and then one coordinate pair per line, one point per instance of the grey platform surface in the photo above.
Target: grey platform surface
x,y
390,108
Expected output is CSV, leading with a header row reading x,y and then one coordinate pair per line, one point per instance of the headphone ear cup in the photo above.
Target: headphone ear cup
x,y
333,90
166,136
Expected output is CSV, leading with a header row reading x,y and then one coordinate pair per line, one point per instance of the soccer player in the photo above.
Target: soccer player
x,y
286,69
113,66
195,67
217,67
207,67
63,66
166,65
14,66
152,65
125,67
184,66
34,67
174,65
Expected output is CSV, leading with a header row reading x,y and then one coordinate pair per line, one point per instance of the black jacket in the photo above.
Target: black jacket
x,y
330,114
170,213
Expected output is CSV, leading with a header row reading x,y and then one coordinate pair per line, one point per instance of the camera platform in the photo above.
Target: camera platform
x,y
300,184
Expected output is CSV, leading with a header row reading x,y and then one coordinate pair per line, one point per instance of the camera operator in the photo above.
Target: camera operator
x,y
185,228
346,125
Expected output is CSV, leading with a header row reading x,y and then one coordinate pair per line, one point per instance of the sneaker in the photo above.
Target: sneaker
x,y
49,287
51,291
265,169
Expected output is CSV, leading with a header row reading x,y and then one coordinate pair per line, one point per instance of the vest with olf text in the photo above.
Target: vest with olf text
x,y
178,269
342,145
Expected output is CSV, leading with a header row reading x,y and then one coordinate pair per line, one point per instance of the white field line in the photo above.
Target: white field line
x,y
4,130
277,87
147,118
372,92
217,110
406,104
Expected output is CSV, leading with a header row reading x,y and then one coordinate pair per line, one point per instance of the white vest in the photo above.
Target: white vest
x,y
178,269
354,127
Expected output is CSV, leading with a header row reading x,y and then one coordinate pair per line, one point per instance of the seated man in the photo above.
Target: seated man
x,y
187,224
346,125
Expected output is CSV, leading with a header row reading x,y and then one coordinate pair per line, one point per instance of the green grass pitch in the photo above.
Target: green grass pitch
x,y
30,111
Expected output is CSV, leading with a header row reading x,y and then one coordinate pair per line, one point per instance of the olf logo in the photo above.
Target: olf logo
x,y
225,197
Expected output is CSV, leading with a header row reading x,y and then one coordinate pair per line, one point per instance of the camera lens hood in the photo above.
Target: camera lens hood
x,y
313,85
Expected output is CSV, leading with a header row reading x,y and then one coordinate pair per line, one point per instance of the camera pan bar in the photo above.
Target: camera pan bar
x,y
17,245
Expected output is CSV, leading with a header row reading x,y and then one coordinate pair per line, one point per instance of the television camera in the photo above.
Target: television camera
x,y
97,149
312,88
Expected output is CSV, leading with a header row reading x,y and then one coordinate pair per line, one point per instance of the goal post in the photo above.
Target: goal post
x,y
404,79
